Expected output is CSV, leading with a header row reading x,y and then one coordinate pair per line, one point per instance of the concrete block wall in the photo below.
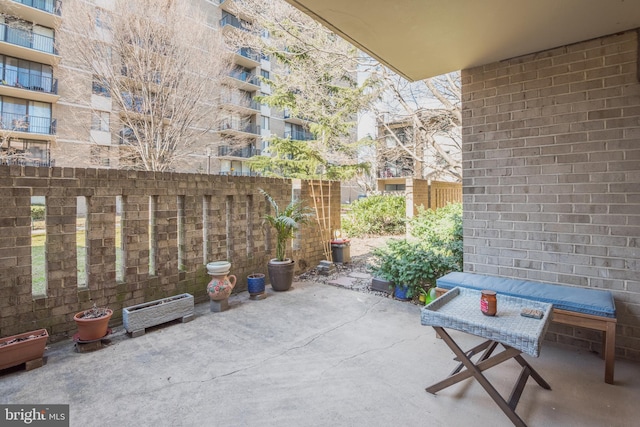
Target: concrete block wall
x,y
196,219
551,158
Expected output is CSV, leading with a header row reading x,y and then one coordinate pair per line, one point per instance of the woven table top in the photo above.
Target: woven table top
x,y
459,309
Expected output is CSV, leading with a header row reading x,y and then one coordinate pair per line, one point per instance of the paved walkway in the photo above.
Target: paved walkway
x,y
317,355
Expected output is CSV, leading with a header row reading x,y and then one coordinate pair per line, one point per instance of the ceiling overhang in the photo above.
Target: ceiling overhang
x,y
425,38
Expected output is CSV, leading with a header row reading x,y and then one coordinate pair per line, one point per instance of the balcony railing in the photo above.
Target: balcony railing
x,y
299,135
246,77
24,80
31,124
26,38
244,152
395,173
241,101
232,21
234,173
249,53
240,127
289,115
28,162
51,6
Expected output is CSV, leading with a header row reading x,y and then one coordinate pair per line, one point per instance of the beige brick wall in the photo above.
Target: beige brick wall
x,y
226,211
551,157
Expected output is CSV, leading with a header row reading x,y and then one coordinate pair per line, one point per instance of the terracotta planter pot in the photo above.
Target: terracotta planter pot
x,y
281,274
92,329
22,351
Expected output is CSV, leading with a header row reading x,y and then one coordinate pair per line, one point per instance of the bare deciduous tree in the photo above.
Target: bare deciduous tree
x,y
10,124
161,64
419,125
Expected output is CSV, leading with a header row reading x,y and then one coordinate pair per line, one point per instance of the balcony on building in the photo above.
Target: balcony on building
x,y
395,172
245,80
299,135
237,127
231,21
28,44
291,118
241,152
139,108
20,161
247,57
15,125
239,173
240,103
28,85
44,12
26,152
224,4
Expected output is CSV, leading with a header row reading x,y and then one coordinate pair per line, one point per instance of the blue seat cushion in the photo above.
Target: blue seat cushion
x,y
596,302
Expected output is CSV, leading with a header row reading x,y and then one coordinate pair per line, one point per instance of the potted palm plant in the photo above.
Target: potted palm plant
x,y
284,222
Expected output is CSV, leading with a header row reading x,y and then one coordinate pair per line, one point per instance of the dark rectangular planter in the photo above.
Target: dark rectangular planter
x,y
139,317
29,351
381,285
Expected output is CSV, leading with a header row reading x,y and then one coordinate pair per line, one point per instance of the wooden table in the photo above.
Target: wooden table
x,y
459,309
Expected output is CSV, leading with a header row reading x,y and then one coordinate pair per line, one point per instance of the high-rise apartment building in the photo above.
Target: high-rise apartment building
x,y
245,123
28,83
247,118
54,113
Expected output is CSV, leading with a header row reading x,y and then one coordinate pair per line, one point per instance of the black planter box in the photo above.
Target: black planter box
x,y
381,285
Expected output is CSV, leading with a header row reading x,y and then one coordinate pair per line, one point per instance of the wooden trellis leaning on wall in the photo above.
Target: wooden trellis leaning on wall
x,y
321,195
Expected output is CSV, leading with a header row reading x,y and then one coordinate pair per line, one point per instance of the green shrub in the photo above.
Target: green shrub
x,y
380,215
37,213
440,229
412,263
434,250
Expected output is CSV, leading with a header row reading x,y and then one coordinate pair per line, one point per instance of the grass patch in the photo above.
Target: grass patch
x,y
38,261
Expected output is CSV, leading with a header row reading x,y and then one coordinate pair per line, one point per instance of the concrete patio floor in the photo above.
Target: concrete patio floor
x,y
316,355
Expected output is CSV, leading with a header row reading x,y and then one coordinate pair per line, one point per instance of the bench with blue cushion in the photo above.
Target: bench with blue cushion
x,y
576,306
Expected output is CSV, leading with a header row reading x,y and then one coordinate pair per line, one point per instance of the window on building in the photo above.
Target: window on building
x,y
266,123
265,74
100,87
134,103
26,74
100,121
127,136
29,152
26,116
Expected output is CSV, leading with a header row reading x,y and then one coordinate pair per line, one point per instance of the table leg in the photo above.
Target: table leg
x,y
476,372
482,366
534,374
488,346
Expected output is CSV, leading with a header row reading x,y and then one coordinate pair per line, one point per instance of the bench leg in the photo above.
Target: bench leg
x,y
609,338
